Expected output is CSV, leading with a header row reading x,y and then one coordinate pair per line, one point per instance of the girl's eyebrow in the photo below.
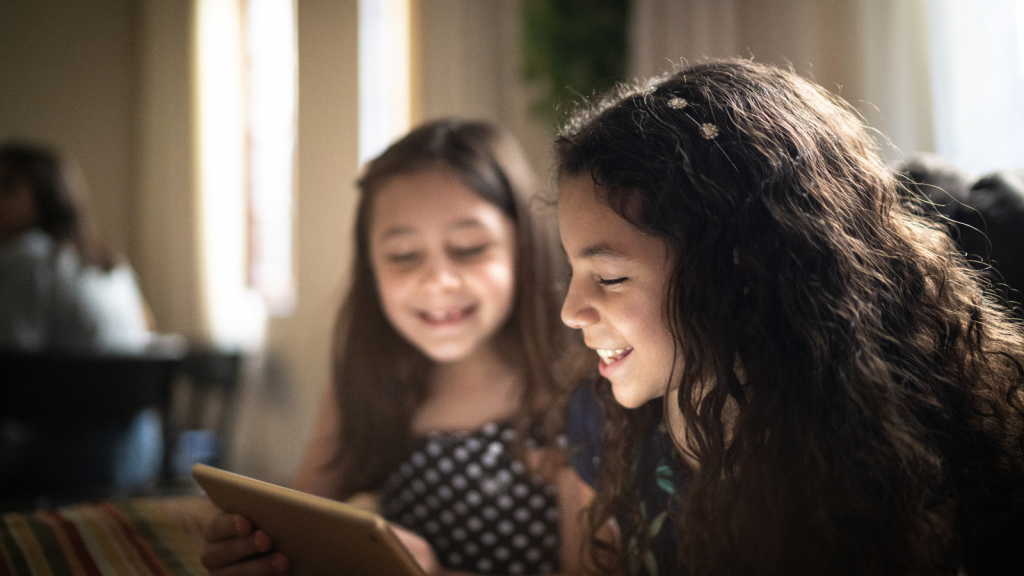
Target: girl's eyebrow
x,y
466,223
601,250
409,230
397,231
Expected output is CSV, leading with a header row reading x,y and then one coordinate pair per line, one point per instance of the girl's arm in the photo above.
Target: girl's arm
x,y
574,497
315,474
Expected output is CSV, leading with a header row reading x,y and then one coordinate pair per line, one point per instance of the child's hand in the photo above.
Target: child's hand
x,y
419,549
233,548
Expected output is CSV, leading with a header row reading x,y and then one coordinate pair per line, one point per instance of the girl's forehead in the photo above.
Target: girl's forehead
x,y
435,200
579,192
584,217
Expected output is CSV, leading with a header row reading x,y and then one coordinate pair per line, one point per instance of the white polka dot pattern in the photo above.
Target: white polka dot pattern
x,y
476,505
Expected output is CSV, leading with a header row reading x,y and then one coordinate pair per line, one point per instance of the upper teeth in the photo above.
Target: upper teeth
x,y
441,316
610,356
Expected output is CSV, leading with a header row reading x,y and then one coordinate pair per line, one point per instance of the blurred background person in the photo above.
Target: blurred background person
x,y
943,184
993,237
62,288
984,216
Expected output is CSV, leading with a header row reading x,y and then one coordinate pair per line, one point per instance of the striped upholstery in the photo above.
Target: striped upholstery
x,y
158,536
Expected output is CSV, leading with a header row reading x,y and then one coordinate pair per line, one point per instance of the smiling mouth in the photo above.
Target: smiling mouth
x,y
612,356
446,317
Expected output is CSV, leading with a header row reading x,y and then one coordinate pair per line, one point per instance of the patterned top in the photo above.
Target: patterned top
x,y
658,479
478,506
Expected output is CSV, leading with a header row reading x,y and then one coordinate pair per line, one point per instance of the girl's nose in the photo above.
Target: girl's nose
x,y
577,312
442,275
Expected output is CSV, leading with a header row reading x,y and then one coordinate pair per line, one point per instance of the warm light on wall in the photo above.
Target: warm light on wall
x,y
384,74
272,91
234,313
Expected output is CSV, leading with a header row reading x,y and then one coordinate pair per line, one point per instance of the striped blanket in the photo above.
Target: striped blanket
x,y
159,536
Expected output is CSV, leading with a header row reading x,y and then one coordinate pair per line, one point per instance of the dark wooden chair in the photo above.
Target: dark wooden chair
x,y
205,404
60,413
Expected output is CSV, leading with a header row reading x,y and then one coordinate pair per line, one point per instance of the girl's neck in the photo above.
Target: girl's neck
x,y
481,367
677,424
463,395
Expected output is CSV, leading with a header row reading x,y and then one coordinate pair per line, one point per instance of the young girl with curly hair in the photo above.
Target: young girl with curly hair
x,y
800,375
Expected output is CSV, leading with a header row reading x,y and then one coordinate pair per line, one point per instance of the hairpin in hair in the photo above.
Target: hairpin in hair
x,y
708,131
677,103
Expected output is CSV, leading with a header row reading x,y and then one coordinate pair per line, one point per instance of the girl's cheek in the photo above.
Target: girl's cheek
x,y
391,290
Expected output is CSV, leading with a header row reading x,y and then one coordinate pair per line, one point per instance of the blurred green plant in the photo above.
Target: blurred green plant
x,y
572,48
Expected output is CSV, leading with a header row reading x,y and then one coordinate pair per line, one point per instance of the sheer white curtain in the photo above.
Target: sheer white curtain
x,y
871,52
977,66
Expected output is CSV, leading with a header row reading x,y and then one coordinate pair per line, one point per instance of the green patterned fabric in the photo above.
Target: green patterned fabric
x,y
658,478
659,481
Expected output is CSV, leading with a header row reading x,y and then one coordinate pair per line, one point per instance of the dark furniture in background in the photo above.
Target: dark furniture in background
x,y
74,428
203,413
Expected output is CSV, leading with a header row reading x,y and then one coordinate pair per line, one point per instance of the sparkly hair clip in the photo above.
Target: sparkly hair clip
x,y
707,130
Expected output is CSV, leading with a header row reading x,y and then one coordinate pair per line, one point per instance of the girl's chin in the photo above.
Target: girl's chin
x,y
451,353
628,395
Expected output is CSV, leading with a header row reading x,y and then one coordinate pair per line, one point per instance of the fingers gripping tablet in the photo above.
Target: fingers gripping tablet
x,y
319,536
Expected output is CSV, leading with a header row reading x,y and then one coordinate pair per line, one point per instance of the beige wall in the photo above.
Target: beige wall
x,y
67,78
469,66
165,250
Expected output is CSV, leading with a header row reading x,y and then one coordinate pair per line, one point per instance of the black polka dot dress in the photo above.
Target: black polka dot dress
x,y
477,505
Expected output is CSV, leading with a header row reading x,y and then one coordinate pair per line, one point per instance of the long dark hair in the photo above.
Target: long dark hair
x,y
380,378
871,386
59,195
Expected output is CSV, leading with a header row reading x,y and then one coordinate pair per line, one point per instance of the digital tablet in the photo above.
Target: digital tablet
x,y
319,536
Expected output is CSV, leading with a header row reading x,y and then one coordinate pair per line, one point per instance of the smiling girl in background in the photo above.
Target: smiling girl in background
x,y
445,356
805,377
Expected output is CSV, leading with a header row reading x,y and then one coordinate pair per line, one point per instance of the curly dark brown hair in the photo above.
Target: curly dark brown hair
x,y
851,390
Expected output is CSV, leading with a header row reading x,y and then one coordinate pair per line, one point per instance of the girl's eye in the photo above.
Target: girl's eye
x,y
403,258
468,251
610,281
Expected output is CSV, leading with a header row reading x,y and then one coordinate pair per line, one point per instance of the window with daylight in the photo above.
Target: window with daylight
x,y
977,68
246,76
385,70
272,58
